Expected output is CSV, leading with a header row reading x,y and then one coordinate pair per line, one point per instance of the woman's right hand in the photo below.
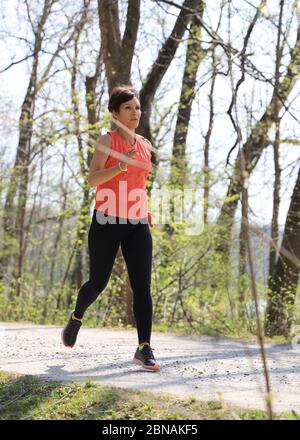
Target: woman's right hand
x,y
129,153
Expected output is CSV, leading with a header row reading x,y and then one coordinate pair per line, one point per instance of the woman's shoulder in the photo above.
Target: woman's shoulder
x,y
142,138
104,139
147,146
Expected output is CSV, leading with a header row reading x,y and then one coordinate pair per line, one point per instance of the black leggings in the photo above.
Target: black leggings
x,y
136,245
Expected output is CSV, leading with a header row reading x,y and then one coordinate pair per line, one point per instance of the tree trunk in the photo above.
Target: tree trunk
x,y
194,56
276,191
242,271
82,220
158,70
206,170
281,300
276,203
117,52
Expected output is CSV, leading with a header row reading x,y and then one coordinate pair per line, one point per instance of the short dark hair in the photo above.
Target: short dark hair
x,y
120,94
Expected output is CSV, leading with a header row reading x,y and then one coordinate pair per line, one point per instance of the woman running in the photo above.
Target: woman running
x,y
119,169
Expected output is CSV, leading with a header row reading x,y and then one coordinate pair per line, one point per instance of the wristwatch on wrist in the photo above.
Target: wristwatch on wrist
x,y
121,167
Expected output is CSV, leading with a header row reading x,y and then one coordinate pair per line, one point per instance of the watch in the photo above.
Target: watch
x,y
121,167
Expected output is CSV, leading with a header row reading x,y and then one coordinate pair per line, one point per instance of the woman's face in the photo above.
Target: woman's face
x,y
129,113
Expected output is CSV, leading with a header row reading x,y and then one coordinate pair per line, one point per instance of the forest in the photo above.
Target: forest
x,y
218,92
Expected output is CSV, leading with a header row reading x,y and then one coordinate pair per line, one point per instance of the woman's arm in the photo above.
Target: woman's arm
x,y
97,173
150,219
149,213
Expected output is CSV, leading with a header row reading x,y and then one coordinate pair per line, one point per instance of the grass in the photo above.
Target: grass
x,y
27,397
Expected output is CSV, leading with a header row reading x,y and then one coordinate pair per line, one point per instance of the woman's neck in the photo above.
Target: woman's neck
x,y
128,138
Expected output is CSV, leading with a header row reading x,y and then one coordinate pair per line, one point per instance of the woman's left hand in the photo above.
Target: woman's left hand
x,y
150,219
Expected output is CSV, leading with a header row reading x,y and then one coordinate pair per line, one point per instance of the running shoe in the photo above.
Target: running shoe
x,y
70,331
145,358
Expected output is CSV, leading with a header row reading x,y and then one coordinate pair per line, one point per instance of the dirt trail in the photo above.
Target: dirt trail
x,y
207,368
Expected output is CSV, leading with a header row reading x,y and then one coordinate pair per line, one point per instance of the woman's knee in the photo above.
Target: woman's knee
x,y
98,285
92,288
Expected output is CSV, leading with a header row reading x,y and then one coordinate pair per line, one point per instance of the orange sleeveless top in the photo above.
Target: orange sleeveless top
x,y
125,195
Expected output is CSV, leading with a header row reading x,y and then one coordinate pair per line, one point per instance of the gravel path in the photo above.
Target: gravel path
x,y
207,368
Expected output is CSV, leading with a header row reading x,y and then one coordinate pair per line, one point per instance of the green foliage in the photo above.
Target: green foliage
x,y
194,288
